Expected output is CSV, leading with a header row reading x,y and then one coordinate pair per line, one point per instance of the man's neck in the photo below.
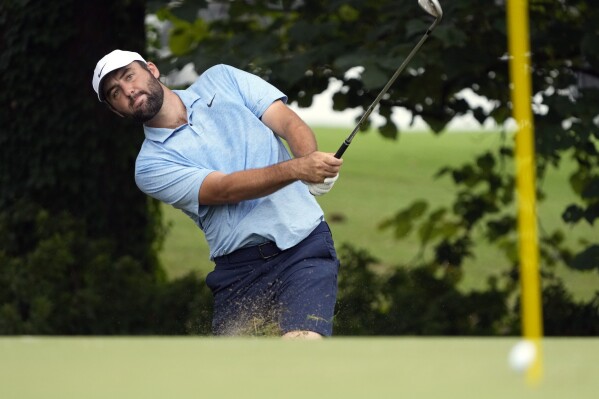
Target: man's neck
x,y
172,114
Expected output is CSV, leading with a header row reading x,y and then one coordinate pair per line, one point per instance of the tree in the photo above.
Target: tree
x,y
59,147
78,240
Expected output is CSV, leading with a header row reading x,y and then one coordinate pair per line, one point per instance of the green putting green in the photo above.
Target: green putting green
x,y
201,367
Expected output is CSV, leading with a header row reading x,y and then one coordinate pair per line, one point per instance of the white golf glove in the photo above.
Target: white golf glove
x,y
317,189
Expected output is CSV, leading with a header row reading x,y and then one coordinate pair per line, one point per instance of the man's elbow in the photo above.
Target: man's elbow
x,y
216,190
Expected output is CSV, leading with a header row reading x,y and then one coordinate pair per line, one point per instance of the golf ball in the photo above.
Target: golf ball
x,y
522,355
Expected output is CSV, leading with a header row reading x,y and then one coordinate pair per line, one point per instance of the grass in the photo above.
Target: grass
x,y
381,176
461,368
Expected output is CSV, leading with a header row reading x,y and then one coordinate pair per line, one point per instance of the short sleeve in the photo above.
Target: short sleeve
x,y
172,183
257,93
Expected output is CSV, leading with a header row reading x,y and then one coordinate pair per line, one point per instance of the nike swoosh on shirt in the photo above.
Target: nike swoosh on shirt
x,y
210,103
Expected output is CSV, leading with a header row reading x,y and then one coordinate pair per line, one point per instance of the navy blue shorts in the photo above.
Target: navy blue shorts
x,y
265,291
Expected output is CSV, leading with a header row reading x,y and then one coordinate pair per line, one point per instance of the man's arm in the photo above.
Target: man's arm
x,y
284,122
308,165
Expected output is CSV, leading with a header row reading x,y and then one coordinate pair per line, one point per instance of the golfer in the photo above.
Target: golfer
x,y
216,152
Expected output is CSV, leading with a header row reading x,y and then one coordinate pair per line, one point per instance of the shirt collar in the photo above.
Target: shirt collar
x,y
161,134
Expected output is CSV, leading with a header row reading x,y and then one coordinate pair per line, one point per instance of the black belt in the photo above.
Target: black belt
x,y
265,250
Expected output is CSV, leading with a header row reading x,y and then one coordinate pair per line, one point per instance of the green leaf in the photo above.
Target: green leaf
x,y
572,214
417,209
591,188
486,162
588,259
465,175
185,36
389,130
403,220
443,171
180,39
592,213
578,180
163,14
348,14
373,76
340,102
433,228
403,226
350,60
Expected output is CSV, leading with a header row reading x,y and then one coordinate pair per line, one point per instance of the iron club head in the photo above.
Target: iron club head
x,y
432,7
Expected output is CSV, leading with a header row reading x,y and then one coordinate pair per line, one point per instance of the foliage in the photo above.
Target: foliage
x,y
563,316
423,300
56,279
412,301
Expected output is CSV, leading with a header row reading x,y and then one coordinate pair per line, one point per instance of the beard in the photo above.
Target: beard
x,y
153,102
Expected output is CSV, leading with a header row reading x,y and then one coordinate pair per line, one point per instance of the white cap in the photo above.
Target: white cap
x,y
114,60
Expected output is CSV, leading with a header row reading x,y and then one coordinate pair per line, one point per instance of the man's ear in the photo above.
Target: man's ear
x,y
153,69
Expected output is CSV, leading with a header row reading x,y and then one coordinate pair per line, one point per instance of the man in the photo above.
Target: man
x,y
215,151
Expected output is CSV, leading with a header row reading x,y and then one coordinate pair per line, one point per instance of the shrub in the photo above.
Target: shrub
x,y
420,300
55,279
410,301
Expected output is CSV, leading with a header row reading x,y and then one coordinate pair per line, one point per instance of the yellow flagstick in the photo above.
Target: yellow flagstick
x,y
532,325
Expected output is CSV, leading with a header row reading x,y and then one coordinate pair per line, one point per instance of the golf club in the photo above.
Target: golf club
x,y
433,8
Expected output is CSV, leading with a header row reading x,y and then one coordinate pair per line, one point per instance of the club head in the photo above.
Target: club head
x,y
432,7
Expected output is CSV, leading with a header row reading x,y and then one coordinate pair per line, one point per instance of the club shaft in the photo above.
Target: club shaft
x,y
378,98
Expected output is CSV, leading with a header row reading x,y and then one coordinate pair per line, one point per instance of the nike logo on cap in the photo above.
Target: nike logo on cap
x,y
100,74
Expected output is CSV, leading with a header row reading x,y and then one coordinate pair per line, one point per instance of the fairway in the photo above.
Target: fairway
x,y
90,368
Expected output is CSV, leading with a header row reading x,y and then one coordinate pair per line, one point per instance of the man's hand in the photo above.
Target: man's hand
x,y
321,166
317,166
310,165
318,189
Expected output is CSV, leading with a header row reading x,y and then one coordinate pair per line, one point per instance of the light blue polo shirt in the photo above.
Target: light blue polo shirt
x,y
224,133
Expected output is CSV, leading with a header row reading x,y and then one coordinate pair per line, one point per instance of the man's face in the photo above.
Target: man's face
x,y
134,91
